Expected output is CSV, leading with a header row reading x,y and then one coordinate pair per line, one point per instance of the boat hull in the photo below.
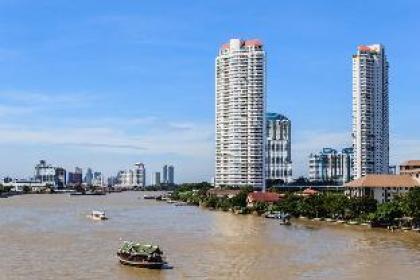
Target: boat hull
x,y
150,265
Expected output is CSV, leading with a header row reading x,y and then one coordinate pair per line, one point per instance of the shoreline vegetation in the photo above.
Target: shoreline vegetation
x,y
403,213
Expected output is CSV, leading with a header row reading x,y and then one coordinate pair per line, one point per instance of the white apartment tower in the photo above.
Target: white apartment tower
x,y
370,111
240,114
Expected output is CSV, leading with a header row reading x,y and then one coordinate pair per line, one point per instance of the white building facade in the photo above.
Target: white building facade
x,y
279,148
240,114
370,111
331,166
135,177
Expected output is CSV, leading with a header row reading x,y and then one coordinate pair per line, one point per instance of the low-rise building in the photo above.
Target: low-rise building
x,y
19,185
222,193
263,197
381,187
410,167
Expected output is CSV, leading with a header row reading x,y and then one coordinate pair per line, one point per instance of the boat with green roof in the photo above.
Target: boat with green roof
x,y
141,255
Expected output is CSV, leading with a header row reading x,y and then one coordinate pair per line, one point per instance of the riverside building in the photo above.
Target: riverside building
x,y
370,111
135,177
240,114
331,166
50,175
279,148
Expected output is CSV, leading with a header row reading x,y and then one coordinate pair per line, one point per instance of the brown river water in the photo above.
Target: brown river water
x,y
49,237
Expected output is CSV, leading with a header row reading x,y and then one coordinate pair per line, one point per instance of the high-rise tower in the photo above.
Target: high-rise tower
x,y
240,114
370,111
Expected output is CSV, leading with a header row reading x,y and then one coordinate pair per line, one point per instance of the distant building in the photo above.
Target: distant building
x,y
60,178
171,175
125,178
76,177
279,148
135,177
89,176
45,173
382,188
410,167
331,166
240,114
97,179
156,179
112,181
52,176
139,175
165,174
370,111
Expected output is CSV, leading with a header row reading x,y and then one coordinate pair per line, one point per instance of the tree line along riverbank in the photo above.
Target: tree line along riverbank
x,y
403,211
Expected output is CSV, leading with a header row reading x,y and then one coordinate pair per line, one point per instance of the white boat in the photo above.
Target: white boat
x,y
98,215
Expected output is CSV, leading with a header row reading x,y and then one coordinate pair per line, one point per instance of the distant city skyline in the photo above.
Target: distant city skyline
x,y
74,89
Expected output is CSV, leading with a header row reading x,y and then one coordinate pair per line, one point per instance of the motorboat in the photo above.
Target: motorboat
x,y
98,215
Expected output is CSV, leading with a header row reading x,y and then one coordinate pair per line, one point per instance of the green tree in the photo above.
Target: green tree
x,y
387,212
411,204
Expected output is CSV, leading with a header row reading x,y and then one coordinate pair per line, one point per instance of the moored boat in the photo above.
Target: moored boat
x,y
149,196
181,203
141,255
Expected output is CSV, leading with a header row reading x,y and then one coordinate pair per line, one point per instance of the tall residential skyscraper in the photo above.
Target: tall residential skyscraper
x,y
279,148
370,111
165,174
240,114
171,174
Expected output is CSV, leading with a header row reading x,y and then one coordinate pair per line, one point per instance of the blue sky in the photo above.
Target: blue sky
x,y
104,83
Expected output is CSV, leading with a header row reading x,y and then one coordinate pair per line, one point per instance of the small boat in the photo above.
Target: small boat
x,y
149,196
317,219
181,203
329,220
340,221
353,222
140,255
98,215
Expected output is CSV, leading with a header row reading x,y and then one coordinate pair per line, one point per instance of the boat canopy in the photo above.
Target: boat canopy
x,y
130,247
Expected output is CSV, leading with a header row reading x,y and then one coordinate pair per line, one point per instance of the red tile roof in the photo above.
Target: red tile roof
x,y
263,197
363,48
253,43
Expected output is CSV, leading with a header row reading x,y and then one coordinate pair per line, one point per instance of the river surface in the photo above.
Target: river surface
x,y
49,237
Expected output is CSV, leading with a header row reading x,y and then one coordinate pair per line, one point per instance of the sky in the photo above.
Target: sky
x,y
105,84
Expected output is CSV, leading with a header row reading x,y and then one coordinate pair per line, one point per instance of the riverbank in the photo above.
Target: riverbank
x,y
401,213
